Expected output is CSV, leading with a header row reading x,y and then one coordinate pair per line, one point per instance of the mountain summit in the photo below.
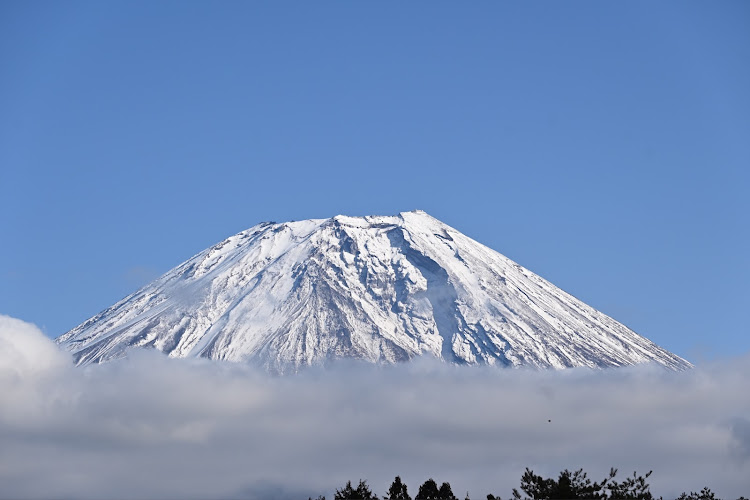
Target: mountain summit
x,y
380,289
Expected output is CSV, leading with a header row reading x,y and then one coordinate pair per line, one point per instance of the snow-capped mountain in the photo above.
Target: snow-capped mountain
x,y
380,289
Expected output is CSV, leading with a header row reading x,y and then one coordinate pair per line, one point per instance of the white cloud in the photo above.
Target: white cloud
x,y
25,350
151,427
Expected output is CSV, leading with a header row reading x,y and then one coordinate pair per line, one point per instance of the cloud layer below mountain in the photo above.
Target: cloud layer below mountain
x,y
152,427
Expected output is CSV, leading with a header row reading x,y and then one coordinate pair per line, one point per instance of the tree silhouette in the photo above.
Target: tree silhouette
x,y
362,492
445,492
397,491
569,485
428,491
633,488
576,485
705,494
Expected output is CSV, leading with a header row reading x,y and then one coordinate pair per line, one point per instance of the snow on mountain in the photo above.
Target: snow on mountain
x,y
380,289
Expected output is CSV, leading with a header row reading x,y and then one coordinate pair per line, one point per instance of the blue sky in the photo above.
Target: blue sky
x,y
604,146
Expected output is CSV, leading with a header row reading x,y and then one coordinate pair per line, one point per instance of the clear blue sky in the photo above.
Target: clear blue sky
x,y
604,146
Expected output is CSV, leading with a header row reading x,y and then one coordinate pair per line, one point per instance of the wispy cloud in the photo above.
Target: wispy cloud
x,y
137,276
151,427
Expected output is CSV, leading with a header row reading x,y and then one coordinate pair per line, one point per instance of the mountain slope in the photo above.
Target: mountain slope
x,y
380,289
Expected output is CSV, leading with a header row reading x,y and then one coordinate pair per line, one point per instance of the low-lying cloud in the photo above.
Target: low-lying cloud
x,y
151,427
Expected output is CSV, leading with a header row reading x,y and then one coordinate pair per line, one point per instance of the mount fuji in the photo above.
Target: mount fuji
x,y
382,289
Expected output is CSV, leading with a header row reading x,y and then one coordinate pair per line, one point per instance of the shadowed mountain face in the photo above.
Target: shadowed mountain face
x,y
379,289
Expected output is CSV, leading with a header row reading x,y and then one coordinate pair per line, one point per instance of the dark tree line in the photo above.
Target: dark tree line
x,y
569,485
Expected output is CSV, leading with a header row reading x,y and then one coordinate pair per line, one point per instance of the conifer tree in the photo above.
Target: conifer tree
x,y
633,488
569,485
428,491
576,485
362,492
445,492
397,491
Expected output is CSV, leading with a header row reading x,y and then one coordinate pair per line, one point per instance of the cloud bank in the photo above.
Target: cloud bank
x,y
151,427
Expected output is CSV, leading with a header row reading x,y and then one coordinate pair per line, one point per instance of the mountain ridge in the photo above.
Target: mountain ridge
x,y
383,289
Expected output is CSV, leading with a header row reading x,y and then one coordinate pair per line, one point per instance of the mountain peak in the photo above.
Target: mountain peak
x,y
378,288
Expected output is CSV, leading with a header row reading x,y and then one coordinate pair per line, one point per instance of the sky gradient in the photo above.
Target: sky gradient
x,y
603,146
